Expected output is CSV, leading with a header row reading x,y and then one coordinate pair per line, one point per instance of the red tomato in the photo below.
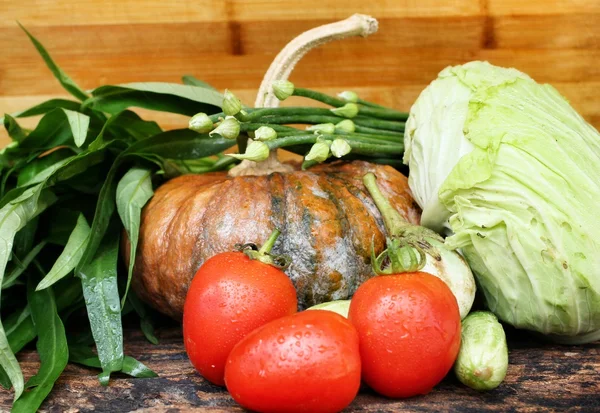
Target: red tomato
x,y
306,362
409,329
230,296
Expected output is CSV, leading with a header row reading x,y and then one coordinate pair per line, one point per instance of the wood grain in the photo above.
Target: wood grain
x,y
231,43
541,377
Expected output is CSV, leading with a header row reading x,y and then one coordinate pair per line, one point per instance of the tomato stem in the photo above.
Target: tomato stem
x,y
268,246
264,253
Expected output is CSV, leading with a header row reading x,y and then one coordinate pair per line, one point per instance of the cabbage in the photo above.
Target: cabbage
x,y
511,172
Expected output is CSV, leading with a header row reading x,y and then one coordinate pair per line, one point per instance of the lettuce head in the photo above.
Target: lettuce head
x,y
511,172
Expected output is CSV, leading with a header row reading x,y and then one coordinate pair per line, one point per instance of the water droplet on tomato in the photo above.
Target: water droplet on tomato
x,y
307,334
298,334
297,344
281,339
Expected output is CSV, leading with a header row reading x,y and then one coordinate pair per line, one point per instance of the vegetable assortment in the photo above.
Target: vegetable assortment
x,y
93,182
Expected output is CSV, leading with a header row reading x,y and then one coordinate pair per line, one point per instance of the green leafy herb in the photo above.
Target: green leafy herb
x,y
57,127
13,217
99,282
51,346
165,97
71,255
146,324
192,81
13,128
47,106
58,73
21,265
133,191
85,356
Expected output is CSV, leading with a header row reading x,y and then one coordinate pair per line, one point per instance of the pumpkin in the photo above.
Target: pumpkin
x,y
328,223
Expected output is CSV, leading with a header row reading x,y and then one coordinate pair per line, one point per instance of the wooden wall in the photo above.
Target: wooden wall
x,y
231,43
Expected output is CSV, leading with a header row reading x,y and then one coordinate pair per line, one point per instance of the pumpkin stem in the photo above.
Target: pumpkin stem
x,y
407,247
283,65
264,253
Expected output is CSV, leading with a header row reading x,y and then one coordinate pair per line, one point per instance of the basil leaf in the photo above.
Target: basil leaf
x,y
13,128
71,255
13,217
192,81
99,282
165,97
57,127
66,82
133,191
51,346
21,266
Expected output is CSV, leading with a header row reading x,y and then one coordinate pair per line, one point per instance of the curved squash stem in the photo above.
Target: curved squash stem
x,y
282,67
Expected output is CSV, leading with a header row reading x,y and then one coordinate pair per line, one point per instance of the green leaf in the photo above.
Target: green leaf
x,y
14,216
25,237
61,226
192,81
165,97
136,369
51,346
47,106
146,324
99,282
19,332
13,128
181,144
123,125
19,325
71,255
84,355
66,82
132,124
79,123
21,265
133,191
34,168
57,127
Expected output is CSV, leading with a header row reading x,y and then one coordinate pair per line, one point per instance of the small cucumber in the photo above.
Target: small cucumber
x,y
340,306
483,357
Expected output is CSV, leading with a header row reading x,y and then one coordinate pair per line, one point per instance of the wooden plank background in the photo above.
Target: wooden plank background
x,y
231,43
